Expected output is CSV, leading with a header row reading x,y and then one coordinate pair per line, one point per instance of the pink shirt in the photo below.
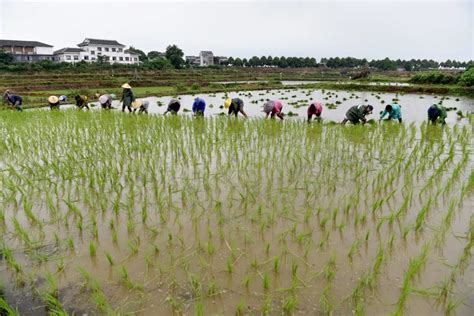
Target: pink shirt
x,y
315,108
277,106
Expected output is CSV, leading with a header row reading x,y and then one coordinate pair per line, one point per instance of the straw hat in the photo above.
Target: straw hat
x,y
53,99
103,99
126,86
136,104
227,103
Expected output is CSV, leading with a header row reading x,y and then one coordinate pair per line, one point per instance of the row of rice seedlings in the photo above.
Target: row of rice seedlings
x,y
201,151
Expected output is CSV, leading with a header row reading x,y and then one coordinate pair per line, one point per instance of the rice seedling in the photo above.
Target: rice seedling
x,y
125,278
199,209
7,309
92,249
289,305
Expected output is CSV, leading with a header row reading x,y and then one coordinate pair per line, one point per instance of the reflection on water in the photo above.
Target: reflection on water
x,y
335,103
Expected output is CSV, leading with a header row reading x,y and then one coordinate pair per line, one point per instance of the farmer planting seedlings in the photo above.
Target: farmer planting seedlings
x,y
357,114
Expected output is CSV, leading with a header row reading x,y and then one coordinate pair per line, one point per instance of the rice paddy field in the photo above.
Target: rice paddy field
x,y
103,213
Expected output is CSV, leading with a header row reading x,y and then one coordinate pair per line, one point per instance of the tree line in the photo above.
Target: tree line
x,y
344,62
173,57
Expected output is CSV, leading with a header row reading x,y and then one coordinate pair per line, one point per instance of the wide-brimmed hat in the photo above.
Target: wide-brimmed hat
x,y
136,104
227,103
103,99
53,99
126,86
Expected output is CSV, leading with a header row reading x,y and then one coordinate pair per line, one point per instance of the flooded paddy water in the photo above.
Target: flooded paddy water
x,y
105,213
335,103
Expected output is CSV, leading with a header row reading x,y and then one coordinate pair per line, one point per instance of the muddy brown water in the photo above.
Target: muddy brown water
x,y
223,210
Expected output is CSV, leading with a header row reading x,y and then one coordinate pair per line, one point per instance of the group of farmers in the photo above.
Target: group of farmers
x,y
273,108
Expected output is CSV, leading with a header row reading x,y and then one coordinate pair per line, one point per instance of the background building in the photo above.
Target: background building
x,y
27,51
193,60
93,50
220,60
68,55
206,58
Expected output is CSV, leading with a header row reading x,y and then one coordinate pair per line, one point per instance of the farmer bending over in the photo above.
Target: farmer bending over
x,y
394,112
235,106
357,113
13,100
81,102
437,114
105,101
53,102
173,107
315,108
127,97
274,108
199,106
141,106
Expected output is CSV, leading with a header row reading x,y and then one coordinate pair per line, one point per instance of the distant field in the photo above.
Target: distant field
x,y
36,87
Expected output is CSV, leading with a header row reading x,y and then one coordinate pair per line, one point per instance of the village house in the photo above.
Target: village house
x,y
206,58
93,50
193,60
27,51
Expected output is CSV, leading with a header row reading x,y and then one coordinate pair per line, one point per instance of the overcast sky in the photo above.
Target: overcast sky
x,y
439,30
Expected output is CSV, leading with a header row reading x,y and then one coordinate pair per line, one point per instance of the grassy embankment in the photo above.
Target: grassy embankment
x,y
36,87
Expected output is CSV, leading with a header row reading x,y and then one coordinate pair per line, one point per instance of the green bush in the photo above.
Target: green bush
x,y
435,78
467,78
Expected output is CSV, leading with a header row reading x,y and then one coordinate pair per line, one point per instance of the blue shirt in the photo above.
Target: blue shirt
x,y
13,98
199,105
395,114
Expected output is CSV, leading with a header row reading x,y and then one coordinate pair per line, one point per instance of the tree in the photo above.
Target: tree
x,y
282,62
175,55
154,54
245,62
101,60
230,61
254,61
238,62
276,61
6,58
158,64
141,54
269,61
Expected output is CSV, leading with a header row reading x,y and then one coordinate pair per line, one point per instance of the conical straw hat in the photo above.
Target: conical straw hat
x,y
126,86
136,104
53,99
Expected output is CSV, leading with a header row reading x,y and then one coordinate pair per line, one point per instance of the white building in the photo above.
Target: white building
x,y
69,55
90,50
206,58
